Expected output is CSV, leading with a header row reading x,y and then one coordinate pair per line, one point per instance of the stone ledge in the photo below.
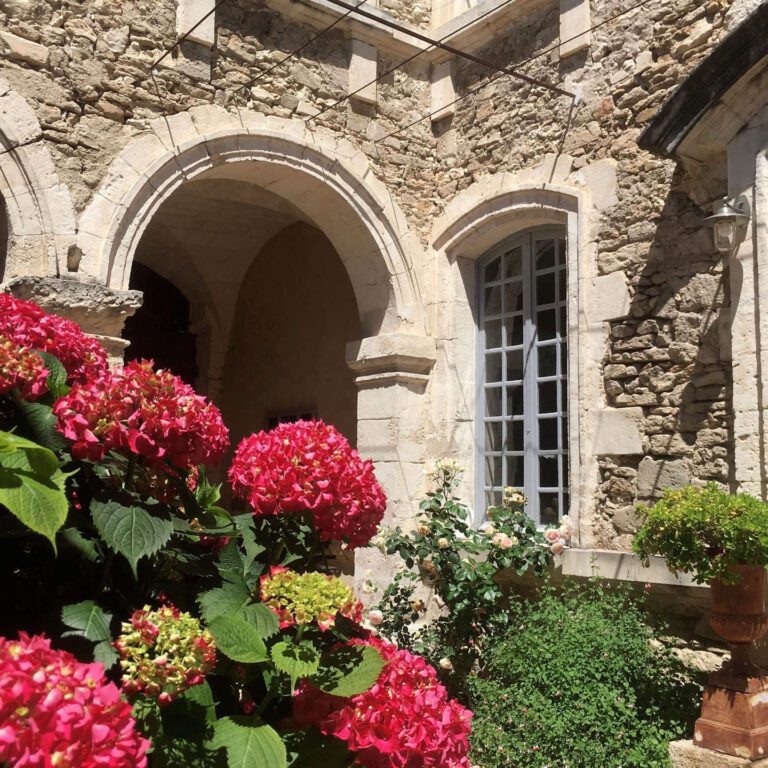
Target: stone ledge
x,y
685,754
392,353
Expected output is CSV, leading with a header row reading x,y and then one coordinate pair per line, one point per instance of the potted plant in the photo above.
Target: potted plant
x,y
721,539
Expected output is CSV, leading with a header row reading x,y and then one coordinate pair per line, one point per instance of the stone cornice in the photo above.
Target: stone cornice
x,y
392,357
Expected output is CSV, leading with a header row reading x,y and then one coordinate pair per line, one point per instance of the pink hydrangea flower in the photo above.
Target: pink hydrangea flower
x,y
56,712
149,413
21,369
83,357
405,721
310,466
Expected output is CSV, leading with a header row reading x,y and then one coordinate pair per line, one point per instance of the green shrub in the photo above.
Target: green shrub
x,y
579,682
704,531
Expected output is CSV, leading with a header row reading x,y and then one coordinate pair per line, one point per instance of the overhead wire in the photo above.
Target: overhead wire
x,y
401,64
499,75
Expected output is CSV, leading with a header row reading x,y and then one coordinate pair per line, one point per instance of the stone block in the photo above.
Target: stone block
x,y
685,754
617,432
363,69
443,91
24,50
610,297
653,476
574,26
20,125
189,15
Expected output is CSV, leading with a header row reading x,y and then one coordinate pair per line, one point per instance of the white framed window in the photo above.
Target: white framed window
x,y
522,398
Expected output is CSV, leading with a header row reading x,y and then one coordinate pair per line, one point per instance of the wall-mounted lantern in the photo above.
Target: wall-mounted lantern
x,y
729,219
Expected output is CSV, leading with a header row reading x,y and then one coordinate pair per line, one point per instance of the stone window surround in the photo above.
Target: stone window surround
x,y
496,207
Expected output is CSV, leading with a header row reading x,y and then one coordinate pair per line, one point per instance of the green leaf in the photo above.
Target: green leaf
x,y
238,640
130,531
41,458
88,620
310,749
86,548
105,654
253,549
349,671
32,488
296,660
57,375
249,746
265,621
226,600
41,424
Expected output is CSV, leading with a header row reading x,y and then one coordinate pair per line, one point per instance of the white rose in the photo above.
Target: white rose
x,y
375,617
445,664
443,543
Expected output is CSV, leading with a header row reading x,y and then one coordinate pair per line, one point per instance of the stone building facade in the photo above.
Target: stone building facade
x,y
343,259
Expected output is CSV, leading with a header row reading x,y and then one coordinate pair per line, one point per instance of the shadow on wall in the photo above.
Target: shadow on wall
x,y
295,314
671,358
3,238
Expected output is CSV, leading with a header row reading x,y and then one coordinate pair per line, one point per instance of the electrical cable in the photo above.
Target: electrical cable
x,y
499,75
451,49
181,39
299,49
401,64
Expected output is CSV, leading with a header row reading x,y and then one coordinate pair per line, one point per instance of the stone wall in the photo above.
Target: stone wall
x,y
84,68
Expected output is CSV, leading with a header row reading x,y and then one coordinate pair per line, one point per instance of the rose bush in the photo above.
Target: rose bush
x,y
192,607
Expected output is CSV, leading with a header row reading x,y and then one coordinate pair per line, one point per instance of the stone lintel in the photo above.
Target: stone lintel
x,y
685,754
98,310
189,15
443,91
392,358
574,26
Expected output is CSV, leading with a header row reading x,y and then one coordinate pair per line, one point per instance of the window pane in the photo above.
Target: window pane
x,y
566,503
546,321
548,434
563,330
492,334
493,367
563,251
493,470
545,254
493,435
493,401
563,287
545,289
548,360
515,365
493,300
548,509
513,263
515,401
563,397
514,330
513,297
564,433
563,358
548,397
515,436
549,477
516,471
493,270
492,499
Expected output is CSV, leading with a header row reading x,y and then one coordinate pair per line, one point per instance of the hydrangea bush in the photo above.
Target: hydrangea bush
x,y
165,629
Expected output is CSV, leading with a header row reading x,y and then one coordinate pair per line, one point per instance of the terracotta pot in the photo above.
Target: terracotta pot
x,y
738,614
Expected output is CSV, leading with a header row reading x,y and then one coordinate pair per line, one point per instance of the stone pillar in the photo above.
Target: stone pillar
x,y
98,310
392,374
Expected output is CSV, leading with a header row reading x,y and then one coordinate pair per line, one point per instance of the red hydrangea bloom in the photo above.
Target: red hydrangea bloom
x,y
308,465
83,357
136,409
405,721
21,369
57,712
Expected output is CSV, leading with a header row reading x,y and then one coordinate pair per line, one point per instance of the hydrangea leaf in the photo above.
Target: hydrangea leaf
x,y
226,600
265,621
130,531
249,746
237,639
88,620
297,660
349,671
310,749
57,374
32,486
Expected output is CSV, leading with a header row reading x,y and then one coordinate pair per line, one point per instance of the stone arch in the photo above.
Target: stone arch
x,y
40,216
480,217
325,178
